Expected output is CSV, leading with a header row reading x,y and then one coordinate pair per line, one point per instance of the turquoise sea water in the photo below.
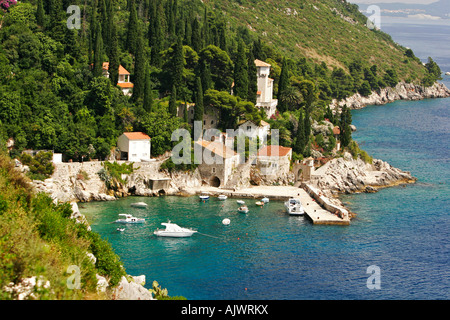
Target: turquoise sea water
x,y
267,254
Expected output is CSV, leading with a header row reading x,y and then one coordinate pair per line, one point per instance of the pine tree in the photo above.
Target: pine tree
x,y
40,14
98,53
198,109
139,69
241,72
173,102
283,85
132,29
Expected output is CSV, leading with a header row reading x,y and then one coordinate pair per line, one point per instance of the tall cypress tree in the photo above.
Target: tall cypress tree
x,y
148,99
198,109
283,85
307,125
177,65
40,14
344,125
205,29
300,143
252,78
114,57
173,102
98,53
157,38
241,72
205,75
197,43
139,69
132,29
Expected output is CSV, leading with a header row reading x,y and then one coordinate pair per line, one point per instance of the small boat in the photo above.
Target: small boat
x,y
243,209
294,207
240,201
222,197
447,73
139,205
120,229
129,219
174,230
265,200
204,197
259,203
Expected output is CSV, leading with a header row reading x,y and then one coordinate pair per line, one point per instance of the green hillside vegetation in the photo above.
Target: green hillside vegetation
x,y
53,95
38,238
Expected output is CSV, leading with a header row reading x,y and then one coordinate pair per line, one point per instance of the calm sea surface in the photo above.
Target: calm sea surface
x,y
267,254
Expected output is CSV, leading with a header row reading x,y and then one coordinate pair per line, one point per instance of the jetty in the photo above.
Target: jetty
x,y
318,208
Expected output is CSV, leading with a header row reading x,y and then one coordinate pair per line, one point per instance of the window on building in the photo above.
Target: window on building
x,y
213,170
249,128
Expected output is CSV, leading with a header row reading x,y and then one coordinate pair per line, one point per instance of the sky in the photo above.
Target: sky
x,y
394,1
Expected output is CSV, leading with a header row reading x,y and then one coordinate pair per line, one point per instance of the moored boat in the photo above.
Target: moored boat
x,y
243,209
139,205
129,219
173,230
222,197
265,199
294,207
259,203
240,201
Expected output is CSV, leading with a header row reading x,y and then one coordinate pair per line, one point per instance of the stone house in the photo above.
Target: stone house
x,y
218,162
134,146
254,131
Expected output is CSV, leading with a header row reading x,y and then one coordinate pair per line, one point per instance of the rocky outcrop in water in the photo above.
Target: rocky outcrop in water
x,y
402,91
348,175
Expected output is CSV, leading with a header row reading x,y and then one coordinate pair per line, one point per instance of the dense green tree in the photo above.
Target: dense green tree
x,y
114,62
148,98
199,107
300,142
252,78
139,69
283,85
40,14
344,125
132,28
220,65
173,102
98,53
241,73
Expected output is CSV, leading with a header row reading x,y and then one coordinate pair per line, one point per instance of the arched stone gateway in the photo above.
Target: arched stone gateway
x,y
214,182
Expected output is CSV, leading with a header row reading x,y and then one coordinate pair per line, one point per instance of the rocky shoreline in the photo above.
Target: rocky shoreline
x,y
402,91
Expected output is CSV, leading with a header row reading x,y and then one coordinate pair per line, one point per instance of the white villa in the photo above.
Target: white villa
x,y
264,95
134,146
274,161
124,78
253,131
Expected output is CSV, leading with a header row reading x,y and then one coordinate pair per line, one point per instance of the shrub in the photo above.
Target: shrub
x,y
41,165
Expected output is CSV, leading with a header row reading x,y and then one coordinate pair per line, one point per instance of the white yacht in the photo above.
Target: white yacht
x,y
129,219
139,205
294,207
222,197
174,230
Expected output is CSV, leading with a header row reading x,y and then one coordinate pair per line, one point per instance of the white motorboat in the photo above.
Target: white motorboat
x,y
174,230
240,201
243,209
204,197
294,207
121,229
222,197
447,73
265,200
259,203
139,205
129,219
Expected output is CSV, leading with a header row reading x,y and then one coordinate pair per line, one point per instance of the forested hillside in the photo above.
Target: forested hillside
x,y
53,95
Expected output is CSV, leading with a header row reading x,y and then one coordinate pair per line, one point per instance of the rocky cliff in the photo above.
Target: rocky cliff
x,y
402,91
348,175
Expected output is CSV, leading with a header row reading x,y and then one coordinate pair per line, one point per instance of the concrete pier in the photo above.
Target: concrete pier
x,y
315,209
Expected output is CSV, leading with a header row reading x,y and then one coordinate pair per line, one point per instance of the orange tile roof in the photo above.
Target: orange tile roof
x,y
336,130
218,148
260,63
122,70
270,151
136,136
125,84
